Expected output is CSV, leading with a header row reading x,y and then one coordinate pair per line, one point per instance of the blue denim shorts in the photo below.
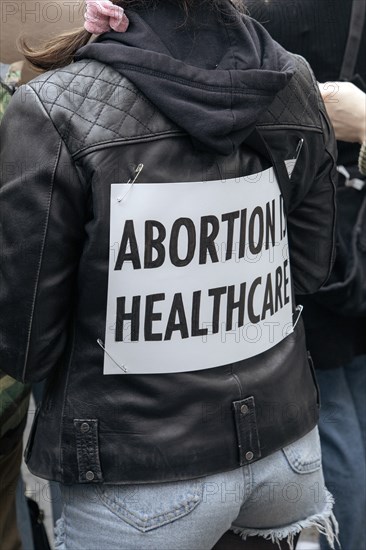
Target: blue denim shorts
x,y
275,497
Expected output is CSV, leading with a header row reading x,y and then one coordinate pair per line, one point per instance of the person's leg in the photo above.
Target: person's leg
x,y
355,374
230,541
23,517
343,450
9,474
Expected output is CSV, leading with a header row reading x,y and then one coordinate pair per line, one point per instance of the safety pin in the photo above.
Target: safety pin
x,y
131,181
298,310
298,148
137,173
291,163
101,344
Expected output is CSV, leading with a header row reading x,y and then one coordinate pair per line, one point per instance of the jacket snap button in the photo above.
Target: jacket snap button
x,y
249,455
244,409
84,427
89,475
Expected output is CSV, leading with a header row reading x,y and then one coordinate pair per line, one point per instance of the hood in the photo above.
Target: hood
x,y
213,74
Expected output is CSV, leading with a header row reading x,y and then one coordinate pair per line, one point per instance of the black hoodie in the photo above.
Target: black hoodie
x,y
213,74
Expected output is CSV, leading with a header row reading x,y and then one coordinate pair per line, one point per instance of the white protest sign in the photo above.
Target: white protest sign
x,y
199,274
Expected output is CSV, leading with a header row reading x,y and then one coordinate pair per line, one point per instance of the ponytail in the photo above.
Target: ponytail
x,y
56,52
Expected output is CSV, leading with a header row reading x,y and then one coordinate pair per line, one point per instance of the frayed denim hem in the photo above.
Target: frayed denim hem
x,y
325,523
60,534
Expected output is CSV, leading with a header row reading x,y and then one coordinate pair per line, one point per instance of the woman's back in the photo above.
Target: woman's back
x,y
142,106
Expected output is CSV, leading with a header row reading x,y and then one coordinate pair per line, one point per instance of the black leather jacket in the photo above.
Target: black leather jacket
x,y
63,144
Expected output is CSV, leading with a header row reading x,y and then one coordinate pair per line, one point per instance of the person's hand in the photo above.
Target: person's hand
x,y
346,108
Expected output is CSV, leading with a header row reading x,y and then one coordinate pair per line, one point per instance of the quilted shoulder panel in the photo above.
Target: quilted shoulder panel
x,y
90,103
298,103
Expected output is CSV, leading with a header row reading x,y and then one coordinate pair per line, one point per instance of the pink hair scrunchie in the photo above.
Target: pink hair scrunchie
x,y
102,16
